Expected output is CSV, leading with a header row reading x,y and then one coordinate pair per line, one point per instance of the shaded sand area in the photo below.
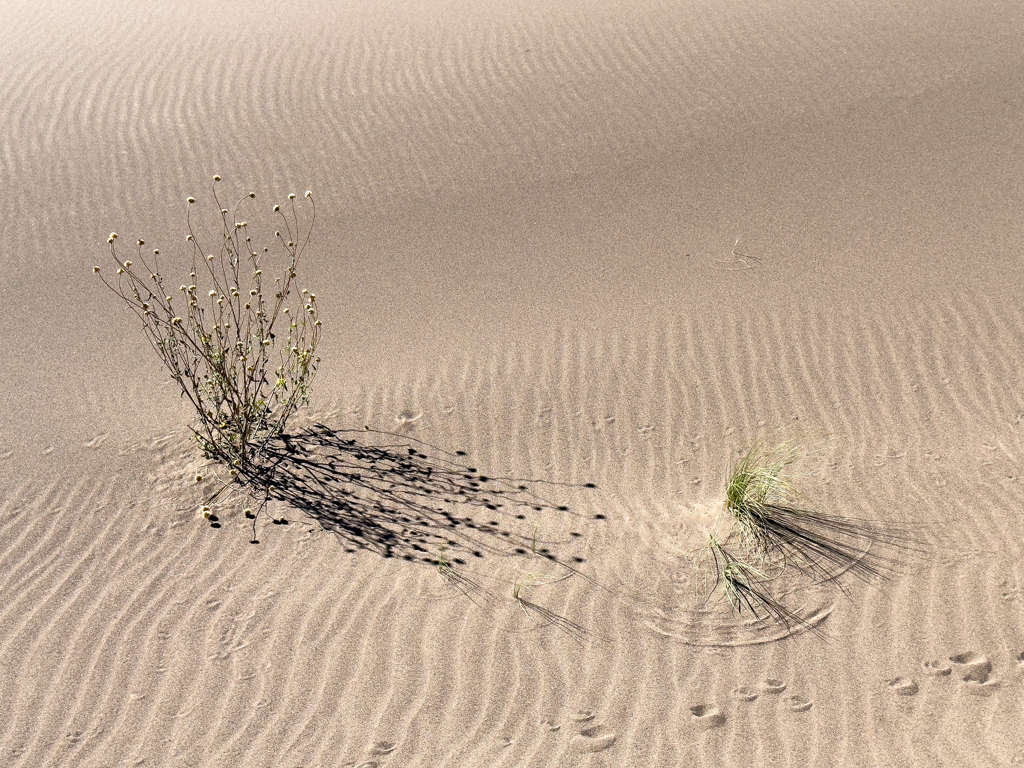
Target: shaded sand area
x,y
602,243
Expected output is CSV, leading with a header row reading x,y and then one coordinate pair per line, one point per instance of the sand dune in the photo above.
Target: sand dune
x,y
599,248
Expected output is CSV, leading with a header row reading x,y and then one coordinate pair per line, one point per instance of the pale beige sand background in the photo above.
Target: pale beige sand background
x,y
527,213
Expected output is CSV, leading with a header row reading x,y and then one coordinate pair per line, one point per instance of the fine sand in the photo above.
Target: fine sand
x,y
605,242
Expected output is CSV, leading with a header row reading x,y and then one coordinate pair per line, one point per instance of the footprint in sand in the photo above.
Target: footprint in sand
x,y
706,716
798,704
972,667
773,686
550,725
382,748
903,686
975,669
744,693
595,738
938,668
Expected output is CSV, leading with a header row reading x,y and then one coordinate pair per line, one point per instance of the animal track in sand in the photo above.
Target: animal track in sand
x,y
938,668
382,748
706,716
798,704
550,725
744,693
594,738
904,686
974,670
972,666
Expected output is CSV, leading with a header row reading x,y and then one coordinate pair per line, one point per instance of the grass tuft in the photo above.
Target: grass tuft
x,y
777,531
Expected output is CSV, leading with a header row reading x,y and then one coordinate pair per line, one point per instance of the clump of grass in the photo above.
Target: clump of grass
x,y
238,336
778,530
756,484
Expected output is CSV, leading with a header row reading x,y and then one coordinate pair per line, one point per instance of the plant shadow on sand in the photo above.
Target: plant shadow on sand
x,y
400,497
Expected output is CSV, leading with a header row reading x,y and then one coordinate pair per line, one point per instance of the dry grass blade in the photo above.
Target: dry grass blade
x,y
547,618
538,614
465,585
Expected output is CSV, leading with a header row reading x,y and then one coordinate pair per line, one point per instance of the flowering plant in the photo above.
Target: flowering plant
x,y
216,334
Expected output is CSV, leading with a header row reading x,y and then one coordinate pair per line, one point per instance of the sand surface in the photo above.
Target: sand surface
x,y
608,243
